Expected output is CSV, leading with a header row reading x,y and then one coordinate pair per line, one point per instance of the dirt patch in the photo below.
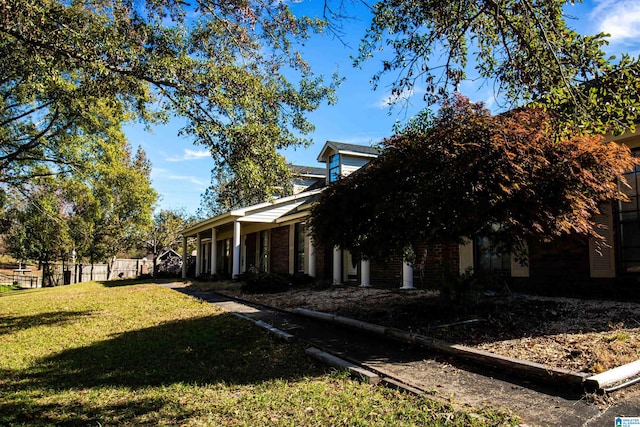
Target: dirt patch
x,y
579,335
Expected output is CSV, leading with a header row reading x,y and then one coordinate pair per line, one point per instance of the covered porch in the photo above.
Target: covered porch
x,y
270,236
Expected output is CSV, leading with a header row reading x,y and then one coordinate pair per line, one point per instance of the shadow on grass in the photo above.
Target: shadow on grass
x,y
204,350
83,414
208,350
115,283
10,324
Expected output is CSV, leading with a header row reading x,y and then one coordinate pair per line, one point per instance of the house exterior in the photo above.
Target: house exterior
x,y
579,264
274,237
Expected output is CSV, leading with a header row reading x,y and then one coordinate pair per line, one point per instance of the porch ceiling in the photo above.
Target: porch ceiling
x,y
271,215
268,212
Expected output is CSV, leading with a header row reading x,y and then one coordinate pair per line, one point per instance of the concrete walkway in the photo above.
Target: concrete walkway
x,y
440,377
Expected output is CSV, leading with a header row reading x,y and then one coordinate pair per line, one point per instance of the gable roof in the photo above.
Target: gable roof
x,y
266,212
308,171
169,252
344,148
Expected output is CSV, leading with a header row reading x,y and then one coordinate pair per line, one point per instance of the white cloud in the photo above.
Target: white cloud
x,y
620,18
158,170
189,178
189,154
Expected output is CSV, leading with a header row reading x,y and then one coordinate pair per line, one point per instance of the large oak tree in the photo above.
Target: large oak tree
x,y
234,71
230,68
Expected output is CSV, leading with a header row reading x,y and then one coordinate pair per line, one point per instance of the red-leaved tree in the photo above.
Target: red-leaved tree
x,y
465,173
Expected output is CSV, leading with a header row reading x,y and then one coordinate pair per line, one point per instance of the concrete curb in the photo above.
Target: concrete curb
x,y
614,376
530,369
354,370
609,381
280,333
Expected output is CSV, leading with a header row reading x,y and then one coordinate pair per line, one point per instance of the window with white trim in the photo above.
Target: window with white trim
x,y
629,222
334,168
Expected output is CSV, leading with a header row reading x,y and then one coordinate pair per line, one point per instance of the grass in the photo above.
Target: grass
x,y
7,287
140,354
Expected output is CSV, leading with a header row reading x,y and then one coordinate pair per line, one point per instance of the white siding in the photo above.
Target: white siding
x,y
270,214
601,259
352,163
465,254
517,269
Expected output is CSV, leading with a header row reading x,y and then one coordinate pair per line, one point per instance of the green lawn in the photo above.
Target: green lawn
x,y
143,355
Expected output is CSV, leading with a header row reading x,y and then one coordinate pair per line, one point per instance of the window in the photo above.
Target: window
x,y
489,258
263,262
629,222
223,263
299,247
334,168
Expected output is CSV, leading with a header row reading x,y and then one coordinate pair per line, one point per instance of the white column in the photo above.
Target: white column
x,y
407,275
184,257
198,255
312,258
365,281
236,250
214,251
337,265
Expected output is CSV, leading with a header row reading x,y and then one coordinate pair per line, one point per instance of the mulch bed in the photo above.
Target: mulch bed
x,y
580,335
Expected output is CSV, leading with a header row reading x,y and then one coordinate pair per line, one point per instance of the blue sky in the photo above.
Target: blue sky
x,y
181,171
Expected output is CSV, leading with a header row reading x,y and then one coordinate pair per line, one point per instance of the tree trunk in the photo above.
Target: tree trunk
x,y
109,269
46,275
155,265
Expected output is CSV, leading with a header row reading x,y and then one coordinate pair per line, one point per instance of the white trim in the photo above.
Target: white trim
x,y
602,259
237,214
337,266
184,257
465,256
311,263
235,245
214,251
407,275
357,154
198,254
365,276
517,269
292,217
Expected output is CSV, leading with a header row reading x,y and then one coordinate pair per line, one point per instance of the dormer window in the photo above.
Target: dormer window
x,y
334,168
342,159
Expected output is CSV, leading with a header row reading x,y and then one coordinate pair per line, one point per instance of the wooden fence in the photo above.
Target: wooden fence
x,y
66,274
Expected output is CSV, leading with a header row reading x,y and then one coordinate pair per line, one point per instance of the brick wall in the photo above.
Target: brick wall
x,y
386,273
564,257
321,263
280,250
431,260
560,267
431,263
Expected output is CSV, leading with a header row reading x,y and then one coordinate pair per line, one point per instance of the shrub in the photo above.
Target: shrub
x,y
302,279
468,287
259,282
